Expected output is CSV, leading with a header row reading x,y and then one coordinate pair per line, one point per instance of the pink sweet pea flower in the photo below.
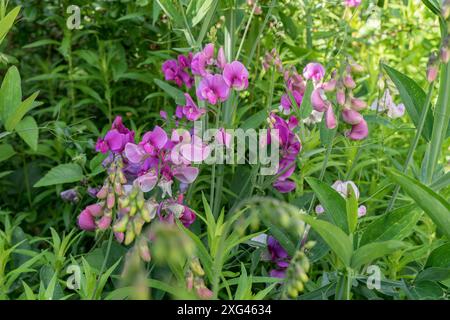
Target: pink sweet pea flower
x,y
221,59
199,64
314,71
351,117
187,217
170,69
284,186
213,88
147,181
319,100
359,131
352,3
190,110
185,174
286,102
330,118
202,60
236,76
86,221
116,138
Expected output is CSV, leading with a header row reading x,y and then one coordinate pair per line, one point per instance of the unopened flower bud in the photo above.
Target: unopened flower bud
x,y
103,192
144,251
122,178
121,224
124,202
104,222
349,82
119,236
432,68
299,286
140,200
133,210
197,268
292,292
138,223
358,104
129,235
110,200
118,188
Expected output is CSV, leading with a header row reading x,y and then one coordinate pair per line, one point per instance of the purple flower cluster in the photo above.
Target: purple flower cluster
x,y
352,3
115,139
279,256
351,107
136,169
177,71
218,78
290,147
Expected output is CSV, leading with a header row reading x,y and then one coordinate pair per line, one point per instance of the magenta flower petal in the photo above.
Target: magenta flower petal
x,y
86,221
314,71
185,174
158,137
221,59
213,88
352,3
188,217
115,140
359,131
104,223
351,117
330,118
208,51
236,75
134,153
95,210
318,100
285,186
147,181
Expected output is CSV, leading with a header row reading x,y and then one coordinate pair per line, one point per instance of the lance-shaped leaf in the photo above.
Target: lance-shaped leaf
x,y
333,203
437,208
413,97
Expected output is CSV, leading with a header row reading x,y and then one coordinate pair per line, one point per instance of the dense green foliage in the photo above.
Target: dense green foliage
x,y
62,88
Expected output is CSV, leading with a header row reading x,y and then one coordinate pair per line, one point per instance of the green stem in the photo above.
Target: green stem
x,y
105,260
414,143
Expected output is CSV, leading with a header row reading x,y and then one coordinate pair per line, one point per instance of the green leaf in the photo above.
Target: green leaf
x,y
336,239
6,152
306,107
7,22
171,11
28,130
202,11
175,93
14,118
413,97
40,43
333,203
64,173
326,135
394,225
433,5
437,208
440,257
433,274
255,120
10,93
373,251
